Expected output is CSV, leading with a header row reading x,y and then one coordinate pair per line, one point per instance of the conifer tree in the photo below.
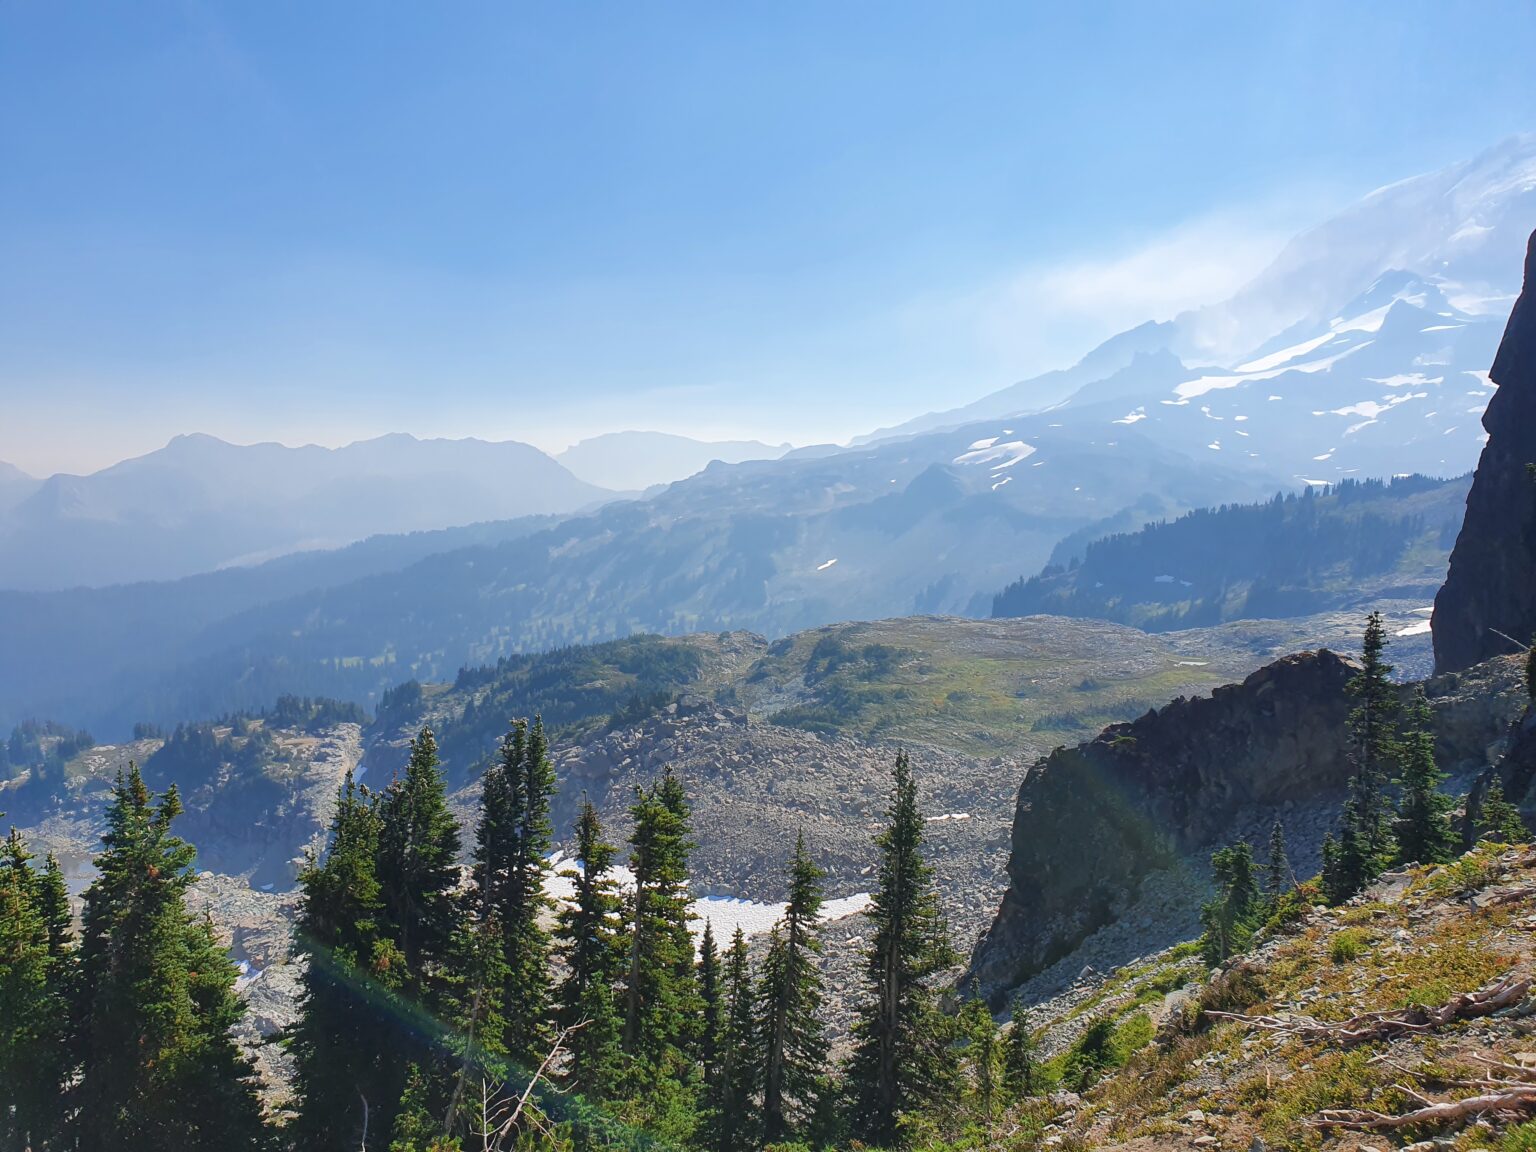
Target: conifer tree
x,y
1423,827
1279,871
660,992
1497,818
1021,1059
1230,919
791,1041
160,1068
34,1004
588,943
900,1061
512,842
729,1116
418,870
1365,843
347,1076
712,1001
982,1053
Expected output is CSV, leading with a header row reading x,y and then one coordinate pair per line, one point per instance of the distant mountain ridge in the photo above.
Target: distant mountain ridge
x,y
201,503
635,461
1445,243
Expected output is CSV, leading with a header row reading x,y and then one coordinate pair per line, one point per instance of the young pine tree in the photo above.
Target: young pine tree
x,y
1497,818
1231,918
901,1060
1021,1059
982,1054
1365,842
35,984
160,1067
791,1042
1423,826
587,941
346,1074
1278,874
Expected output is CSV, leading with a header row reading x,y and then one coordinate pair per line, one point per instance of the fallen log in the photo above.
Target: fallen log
x,y
1372,1026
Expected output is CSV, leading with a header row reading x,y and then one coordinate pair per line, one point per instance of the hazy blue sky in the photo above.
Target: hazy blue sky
x,y
320,221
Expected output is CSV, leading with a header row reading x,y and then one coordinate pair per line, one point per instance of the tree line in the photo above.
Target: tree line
x,y
448,1006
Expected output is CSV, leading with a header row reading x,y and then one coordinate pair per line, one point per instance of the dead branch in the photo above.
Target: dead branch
x,y
1521,1099
508,1126
1503,993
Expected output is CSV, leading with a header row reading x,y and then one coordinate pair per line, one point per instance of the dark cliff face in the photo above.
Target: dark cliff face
x,y
1092,823
1488,602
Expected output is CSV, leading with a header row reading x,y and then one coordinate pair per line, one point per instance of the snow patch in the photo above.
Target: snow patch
x,y
997,456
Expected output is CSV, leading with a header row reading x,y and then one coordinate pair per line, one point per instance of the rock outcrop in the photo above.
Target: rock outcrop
x,y
1487,606
1153,797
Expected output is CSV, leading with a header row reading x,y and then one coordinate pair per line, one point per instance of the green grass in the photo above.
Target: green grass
x,y
880,681
1349,945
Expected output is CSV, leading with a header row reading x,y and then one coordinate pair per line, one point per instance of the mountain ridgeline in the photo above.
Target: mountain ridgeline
x,y
1294,555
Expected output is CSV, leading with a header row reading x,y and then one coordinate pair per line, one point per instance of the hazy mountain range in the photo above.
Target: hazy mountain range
x,y
199,504
634,461
1364,351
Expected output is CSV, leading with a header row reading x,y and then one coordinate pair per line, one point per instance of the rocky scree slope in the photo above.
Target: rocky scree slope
x,y
1488,604
1151,798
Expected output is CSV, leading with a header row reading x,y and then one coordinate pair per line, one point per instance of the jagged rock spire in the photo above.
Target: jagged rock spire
x,y
1487,606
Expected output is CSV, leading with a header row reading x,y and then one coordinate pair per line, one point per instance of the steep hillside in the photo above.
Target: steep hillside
x,y
1135,811
1488,604
1412,999
1329,548
199,504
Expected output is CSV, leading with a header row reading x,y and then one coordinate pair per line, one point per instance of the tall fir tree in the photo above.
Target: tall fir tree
x,y
512,842
1365,846
418,871
660,991
729,1116
346,1075
35,984
900,1061
1423,827
160,1067
791,1039
712,1001
589,945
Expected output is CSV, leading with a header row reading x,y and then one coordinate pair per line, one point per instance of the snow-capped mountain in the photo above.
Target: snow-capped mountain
x,y
1362,349
1396,382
